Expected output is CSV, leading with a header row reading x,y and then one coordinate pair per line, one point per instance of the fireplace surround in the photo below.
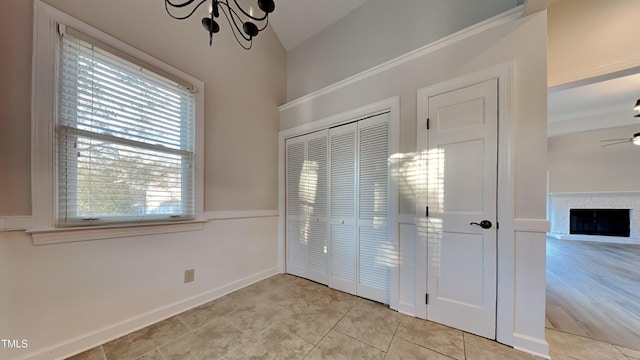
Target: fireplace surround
x,y
561,204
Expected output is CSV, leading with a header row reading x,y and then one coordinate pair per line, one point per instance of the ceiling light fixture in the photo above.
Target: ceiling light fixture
x,y
244,24
636,139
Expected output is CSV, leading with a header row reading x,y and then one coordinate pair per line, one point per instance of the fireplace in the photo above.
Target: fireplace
x,y
603,222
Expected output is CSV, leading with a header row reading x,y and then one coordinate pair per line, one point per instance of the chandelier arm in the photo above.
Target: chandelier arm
x,y
234,28
266,23
179,5
168,2
248,15
231,18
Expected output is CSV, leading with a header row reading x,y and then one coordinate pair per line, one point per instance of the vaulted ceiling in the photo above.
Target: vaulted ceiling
x,y
297,20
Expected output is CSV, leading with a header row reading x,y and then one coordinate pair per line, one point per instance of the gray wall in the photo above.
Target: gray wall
x,y
376,32
577,162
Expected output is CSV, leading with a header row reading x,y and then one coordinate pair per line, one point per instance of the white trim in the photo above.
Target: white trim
x,y
70,347
578,74
531,225
392,105
15,223
239,214
533,346
406,308
597,193
67,235
596,238
534,6
505,75
43,105
480,27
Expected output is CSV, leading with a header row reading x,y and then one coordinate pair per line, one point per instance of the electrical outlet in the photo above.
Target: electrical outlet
x,y
189,275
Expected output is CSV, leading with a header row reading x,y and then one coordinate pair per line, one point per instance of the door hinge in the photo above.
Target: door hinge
x,y
426,299
426,212
428,123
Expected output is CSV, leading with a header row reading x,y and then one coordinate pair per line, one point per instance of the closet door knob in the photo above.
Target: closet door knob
x,y
485,224
341,221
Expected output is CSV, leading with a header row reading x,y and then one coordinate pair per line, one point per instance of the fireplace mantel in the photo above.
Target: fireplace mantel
x,y
561,203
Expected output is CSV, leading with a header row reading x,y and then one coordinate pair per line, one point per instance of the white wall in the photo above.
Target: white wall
x,y
68,297
578,163
522,41
376,32
65,298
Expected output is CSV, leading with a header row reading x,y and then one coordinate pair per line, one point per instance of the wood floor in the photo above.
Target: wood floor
x,y
593,290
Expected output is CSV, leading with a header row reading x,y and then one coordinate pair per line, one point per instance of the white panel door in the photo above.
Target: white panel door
x,y
296,246
342,199
375,252
315,171
462,182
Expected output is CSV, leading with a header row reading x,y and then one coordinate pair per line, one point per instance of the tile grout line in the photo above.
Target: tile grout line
x,y
386,353
332,327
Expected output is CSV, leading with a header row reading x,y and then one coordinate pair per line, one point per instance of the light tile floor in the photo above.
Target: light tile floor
x,y
285,317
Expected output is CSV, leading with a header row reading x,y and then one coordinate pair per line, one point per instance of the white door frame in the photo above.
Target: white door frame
x,y
505,297
392,105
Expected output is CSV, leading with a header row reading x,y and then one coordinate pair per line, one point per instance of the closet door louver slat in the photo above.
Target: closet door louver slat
x,y
317,207
295,243
343,253
375,253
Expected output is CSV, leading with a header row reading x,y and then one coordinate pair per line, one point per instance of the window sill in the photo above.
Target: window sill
x,y
67,235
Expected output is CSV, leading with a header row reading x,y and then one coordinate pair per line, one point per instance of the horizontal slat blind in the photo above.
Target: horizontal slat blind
x,y
125,140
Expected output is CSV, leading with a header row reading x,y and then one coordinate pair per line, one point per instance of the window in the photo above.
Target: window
x,y
124,139
117,134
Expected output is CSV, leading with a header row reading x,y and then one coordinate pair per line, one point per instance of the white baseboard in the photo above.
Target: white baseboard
x,y
596,238
82,343
407,309
533,346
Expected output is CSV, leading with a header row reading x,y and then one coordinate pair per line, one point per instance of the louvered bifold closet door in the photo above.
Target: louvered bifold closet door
x,y
316,205
375,251
296,239
342,222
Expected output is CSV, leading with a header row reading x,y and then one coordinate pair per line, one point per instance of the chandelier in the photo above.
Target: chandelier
x,y
244,24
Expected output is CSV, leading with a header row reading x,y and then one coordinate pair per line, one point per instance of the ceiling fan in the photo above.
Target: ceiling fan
x,y
635,139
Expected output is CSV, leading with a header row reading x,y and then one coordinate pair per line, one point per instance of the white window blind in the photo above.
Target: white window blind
x,y
125,138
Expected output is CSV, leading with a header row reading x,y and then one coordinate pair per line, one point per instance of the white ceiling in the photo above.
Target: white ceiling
x,y
603,104
297,20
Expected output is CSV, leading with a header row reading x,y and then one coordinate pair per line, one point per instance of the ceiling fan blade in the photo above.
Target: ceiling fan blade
x,y
616,143
615,140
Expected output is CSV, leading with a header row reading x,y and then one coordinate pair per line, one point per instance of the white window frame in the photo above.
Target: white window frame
x,y
46,45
